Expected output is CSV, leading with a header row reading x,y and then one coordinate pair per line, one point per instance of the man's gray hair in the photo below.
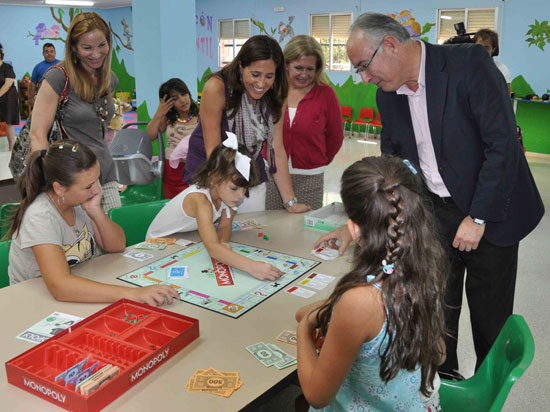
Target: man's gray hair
x,y
377,26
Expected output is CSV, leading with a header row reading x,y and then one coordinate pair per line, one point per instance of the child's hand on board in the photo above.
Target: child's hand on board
x,y
264,271
156,295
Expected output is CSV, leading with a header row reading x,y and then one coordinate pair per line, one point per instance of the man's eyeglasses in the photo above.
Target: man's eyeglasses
x,y
362,67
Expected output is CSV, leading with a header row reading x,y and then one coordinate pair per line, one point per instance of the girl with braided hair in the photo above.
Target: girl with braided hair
x,y
383,323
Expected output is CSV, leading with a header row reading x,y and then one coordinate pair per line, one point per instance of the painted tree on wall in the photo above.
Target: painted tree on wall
x,y
54,32
284,29
538,34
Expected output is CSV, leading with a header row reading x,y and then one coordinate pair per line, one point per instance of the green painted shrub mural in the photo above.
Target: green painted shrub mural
x,y
126,82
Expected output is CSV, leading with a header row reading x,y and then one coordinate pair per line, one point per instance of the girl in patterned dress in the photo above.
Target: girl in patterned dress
x,y
383,323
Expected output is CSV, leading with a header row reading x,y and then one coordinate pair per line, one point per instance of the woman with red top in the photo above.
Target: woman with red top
x,y
312,128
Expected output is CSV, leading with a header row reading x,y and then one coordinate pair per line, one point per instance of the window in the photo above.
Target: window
x,y
331,31
233,34
473,19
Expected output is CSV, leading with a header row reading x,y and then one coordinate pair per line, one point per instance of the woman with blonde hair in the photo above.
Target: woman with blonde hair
x,y
312,127
86,114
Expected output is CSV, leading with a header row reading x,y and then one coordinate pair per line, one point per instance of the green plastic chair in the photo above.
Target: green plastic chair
x,y
7,210
142,193
4,262
486,391
135,219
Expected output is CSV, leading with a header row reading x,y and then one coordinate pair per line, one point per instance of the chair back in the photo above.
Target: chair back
x,y
132,153
142,193
4,262
346,113
366,114
7,210
135,219
487,390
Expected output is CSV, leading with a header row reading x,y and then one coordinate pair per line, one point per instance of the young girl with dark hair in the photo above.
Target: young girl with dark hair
x,y
177,115
383,323
220,185
247,98
60,223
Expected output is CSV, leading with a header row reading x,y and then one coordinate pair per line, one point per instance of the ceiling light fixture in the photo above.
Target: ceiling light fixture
x,y
70,3
446,17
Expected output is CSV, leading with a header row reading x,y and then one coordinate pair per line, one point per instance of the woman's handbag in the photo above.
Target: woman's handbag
x,y
22,145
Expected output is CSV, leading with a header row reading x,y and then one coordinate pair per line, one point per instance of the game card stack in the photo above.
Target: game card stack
x,y
213,381
270,354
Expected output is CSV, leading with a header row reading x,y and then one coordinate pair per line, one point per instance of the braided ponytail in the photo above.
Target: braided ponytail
x,y
399,247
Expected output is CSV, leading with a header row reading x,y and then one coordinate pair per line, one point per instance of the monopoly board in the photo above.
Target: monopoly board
x,y
213,285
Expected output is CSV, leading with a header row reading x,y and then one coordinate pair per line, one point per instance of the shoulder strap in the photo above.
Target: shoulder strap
x,y
64,96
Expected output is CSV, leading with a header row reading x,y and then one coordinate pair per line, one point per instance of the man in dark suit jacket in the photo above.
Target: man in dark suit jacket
x,y
447,110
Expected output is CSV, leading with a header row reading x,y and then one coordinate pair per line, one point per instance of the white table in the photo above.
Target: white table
x,y
222,339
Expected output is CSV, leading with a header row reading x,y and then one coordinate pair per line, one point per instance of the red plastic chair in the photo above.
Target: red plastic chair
x,y
366,116
346,117
375,123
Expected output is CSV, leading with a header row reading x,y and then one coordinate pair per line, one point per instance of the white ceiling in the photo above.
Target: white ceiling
x,y
99,4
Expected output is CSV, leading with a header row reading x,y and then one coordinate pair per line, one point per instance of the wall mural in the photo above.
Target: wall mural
x,y
406,18
58,32
538,34
204,42
364,95
284,29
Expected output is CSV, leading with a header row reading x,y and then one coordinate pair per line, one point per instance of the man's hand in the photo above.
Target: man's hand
x,y
468,235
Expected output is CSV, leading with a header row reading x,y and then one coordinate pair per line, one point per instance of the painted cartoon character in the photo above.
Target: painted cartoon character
x,y
286,29
126,33
40,30
52,32
82,249
407,19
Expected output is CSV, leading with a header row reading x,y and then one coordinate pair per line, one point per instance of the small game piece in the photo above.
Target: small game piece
x,y
132,318
260,234
265,237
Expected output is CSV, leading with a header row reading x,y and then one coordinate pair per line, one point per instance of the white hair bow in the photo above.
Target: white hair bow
x,y
242,162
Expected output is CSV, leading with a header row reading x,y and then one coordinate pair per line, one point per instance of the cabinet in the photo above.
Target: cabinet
x,y
24,103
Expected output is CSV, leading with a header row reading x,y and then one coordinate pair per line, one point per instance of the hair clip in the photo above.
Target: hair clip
x,y
410,166
242,162
387,269
75,148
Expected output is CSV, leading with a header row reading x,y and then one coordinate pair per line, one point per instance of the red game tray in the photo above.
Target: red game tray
x,y
132,336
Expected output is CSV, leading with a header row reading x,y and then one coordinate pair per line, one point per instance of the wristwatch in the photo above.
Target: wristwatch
x,y
478,221
290,203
